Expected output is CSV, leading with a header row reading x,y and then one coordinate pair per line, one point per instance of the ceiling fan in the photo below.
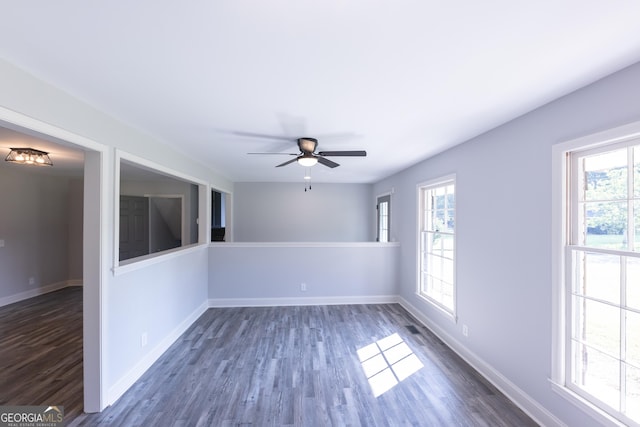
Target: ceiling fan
x,y
308,156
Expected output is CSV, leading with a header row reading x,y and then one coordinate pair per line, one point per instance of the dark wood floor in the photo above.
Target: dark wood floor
x,y
279,366
41,351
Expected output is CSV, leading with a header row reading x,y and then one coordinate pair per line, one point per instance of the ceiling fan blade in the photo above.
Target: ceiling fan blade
x,y
327,162
359,153
292,125
286,163
277,154
337,136
262,135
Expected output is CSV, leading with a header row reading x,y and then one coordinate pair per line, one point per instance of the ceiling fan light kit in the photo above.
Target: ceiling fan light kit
x,y
307,160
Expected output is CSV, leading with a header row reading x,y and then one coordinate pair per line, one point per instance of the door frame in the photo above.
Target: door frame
x,y
96,216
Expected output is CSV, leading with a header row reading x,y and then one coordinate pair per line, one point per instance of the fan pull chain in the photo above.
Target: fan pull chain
x,y
307,180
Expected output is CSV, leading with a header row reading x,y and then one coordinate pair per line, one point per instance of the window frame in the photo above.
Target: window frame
x,y
383,198
120,267
564,208
433,184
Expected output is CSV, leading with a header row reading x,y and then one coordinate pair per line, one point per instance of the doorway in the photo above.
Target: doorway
x,y
92,219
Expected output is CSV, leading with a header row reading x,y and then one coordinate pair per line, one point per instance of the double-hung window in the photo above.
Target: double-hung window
x,y
602,278
437,208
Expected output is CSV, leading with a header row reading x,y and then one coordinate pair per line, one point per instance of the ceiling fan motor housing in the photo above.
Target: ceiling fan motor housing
x,y
307,145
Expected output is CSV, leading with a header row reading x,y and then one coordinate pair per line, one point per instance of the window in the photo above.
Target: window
x,y
157,211
384,218
602,258
218,216
437,243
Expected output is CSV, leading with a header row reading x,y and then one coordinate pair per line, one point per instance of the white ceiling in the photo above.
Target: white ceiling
x,y
400,79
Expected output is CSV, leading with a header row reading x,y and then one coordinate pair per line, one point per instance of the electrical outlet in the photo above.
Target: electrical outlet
x,y
303,287
1,243
32,280
465,330
143,339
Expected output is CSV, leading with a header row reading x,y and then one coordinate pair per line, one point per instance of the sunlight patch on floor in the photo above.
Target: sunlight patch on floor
x,y
387,362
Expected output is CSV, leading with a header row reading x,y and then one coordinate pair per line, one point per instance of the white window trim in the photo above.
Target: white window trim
x,y
390,194
436,182
559,206
119,267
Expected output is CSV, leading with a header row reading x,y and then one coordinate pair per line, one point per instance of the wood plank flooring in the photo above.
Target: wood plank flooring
x,y
41,351
298,366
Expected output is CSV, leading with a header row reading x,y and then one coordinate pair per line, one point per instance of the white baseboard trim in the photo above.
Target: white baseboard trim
x,y
38,291
124,383
286,301
525,402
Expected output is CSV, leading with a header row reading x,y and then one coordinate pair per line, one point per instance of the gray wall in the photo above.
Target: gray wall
x,y
503,198
284,212
37,223
76,198
158,300
271,274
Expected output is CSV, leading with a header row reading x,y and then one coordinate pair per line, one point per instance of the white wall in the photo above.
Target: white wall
x,y
35,226
284,212
503,198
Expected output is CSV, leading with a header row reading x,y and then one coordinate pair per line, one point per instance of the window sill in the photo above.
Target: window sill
x,y
432,303
585,406
151,259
